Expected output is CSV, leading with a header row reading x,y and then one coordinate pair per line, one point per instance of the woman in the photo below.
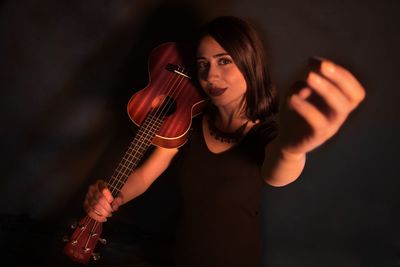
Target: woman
x,y
235,146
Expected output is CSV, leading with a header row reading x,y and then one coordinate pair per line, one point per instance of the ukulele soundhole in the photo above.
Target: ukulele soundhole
x,y
163,105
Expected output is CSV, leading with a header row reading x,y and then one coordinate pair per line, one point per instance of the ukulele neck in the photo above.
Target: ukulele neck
x,y
133,155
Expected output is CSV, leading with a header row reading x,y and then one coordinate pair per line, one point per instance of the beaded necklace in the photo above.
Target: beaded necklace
x,y
223,136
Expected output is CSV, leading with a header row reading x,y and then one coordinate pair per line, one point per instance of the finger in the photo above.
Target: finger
x,y
93,193
96,217
300,88
304,93
98,202
98,207
345,81
336,102
102,213
107,194
89,202
102,186
93,212
116,203
97,212
308,112
102,205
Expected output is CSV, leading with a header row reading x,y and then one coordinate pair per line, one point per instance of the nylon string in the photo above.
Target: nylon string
x,y
153,122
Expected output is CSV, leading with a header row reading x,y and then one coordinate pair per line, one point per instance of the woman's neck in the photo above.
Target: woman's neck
x,y
229,119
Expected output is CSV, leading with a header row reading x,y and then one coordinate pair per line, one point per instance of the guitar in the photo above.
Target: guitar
x,y
163,110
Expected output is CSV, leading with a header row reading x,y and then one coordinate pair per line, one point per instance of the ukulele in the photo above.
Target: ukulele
x,y
163,110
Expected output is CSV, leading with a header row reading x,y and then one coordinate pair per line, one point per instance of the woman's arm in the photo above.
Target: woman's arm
x,y
309,117
140,180
281,168
99,202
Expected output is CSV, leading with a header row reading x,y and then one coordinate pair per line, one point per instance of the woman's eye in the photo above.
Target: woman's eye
x,y
224,61
202,64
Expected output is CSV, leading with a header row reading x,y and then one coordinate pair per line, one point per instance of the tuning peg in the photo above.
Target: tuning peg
x,y
74,225
65,239
93,234
96,256
103,241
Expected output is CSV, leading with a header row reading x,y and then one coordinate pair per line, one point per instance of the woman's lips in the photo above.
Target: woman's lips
x,y
216,91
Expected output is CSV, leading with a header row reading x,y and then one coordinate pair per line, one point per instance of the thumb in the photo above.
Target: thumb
x,y
102,185
118,201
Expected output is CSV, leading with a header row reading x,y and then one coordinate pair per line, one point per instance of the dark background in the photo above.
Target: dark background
x,y
69,67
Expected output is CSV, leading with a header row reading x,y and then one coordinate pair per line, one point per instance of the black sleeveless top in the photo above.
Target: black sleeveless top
x,y
220,200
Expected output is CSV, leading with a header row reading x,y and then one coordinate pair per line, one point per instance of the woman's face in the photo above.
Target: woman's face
x,y
218,75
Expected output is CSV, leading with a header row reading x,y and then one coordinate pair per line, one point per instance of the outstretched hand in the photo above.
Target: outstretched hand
x,y
315,110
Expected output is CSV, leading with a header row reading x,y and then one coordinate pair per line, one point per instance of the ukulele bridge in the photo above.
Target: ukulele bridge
x,y
178,70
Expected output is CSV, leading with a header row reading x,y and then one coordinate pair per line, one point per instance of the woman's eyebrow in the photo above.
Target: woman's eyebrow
x,y
215,56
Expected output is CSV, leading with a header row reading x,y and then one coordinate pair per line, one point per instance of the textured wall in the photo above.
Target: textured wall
x,y
68,68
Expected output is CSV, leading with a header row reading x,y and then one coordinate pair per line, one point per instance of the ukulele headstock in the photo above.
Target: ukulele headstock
x,y
80,247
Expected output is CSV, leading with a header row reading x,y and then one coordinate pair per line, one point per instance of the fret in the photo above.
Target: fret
x,y
139,151
118,179
132,157
114,188
126,162
120,183
135,151
122,172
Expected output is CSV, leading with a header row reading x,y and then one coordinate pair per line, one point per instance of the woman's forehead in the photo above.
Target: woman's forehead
x,y
209,47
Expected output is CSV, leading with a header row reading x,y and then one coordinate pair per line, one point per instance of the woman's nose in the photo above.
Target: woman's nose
x,y
212,73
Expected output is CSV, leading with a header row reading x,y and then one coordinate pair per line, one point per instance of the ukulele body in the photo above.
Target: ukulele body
x,y
174,88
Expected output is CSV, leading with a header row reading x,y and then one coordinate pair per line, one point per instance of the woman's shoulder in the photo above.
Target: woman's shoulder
x,y
262,133
265,130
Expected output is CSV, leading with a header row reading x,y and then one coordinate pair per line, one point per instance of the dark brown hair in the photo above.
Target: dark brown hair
x,y
245,47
